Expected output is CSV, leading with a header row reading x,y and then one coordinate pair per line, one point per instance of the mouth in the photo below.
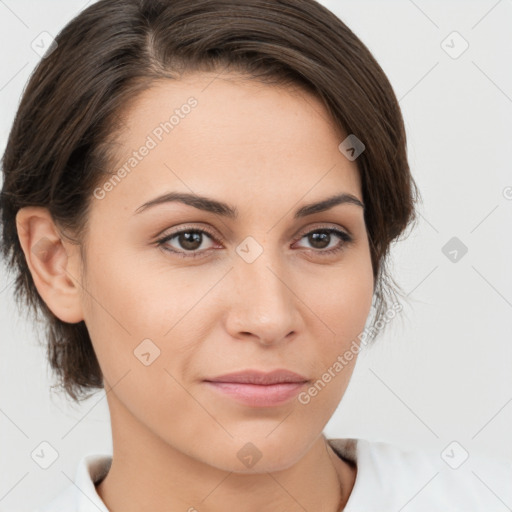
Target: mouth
x,y
259,389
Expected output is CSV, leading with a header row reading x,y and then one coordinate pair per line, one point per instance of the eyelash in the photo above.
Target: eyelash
x,y
345,237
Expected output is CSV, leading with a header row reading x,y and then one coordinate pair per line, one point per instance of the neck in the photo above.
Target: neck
x,y
148,473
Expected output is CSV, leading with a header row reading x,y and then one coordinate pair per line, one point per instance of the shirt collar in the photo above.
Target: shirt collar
x,y
91,470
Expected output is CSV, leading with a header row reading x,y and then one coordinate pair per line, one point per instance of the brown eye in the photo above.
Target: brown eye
x,y
189,240
186,243
189,243
323,240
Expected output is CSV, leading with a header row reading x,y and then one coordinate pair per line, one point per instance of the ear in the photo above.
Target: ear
x,y
53,263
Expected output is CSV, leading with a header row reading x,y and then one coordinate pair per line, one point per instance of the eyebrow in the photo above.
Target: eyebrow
x,y
211,205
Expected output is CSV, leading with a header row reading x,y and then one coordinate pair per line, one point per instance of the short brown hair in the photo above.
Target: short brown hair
x,y
59,145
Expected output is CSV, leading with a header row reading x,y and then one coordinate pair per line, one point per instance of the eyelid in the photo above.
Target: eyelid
x,y
192,227
316,227
346,238
219,238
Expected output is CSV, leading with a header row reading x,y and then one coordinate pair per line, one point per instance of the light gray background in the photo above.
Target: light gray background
x,y
441,374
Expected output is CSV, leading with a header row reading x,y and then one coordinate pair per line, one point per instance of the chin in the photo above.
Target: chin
x,y
260,455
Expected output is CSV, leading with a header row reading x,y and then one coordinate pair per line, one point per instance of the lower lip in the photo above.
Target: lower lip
x,y
258,395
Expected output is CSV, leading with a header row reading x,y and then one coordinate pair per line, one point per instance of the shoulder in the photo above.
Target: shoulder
x,y
391,477
81,495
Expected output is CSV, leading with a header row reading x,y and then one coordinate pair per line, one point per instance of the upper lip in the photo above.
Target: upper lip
x,y
259,377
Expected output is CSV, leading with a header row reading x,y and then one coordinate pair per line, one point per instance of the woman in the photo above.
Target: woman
x,y
200,196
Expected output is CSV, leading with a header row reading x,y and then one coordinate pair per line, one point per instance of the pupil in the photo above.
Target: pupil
x,y
321,237
190,240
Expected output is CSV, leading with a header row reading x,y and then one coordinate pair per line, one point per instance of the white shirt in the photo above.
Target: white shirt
x,y
389,479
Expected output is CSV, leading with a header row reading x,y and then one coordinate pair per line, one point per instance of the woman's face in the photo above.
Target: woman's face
x,y
249,285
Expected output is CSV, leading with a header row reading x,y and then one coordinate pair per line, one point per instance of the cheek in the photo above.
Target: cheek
x,y
137,312
141,297
342,298
351,303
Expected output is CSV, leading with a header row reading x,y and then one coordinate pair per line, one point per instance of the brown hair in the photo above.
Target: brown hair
x,y
61,140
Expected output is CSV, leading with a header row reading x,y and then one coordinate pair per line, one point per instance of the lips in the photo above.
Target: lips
x,y
254,388
260,378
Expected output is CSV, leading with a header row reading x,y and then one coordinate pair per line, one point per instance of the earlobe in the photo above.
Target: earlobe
x,y
53,263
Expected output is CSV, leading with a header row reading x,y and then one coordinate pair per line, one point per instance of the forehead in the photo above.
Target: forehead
x,y
231,137
249,111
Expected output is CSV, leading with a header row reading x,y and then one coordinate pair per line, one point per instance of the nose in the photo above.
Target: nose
x,y
263,305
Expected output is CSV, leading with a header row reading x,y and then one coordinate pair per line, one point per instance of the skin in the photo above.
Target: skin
x,y
267,150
